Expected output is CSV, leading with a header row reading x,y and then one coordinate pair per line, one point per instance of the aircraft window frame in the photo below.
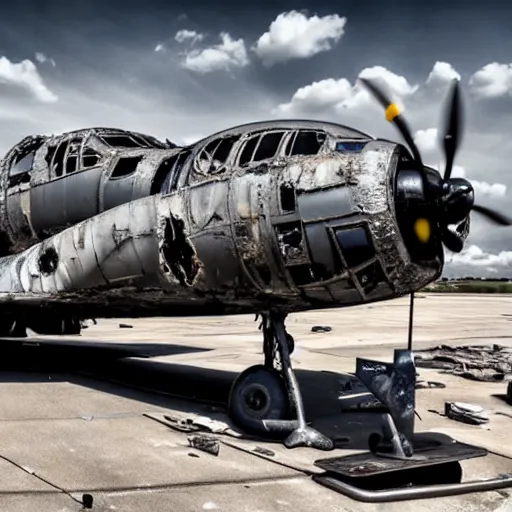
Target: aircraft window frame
x,y
59,159
163,175
262,137
73,152
130,170
31,155
99,156
290,145
177,170
209,152
258,137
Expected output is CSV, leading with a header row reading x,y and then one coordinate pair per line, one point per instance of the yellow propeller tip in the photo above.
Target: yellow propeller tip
x,y
392,111
422,230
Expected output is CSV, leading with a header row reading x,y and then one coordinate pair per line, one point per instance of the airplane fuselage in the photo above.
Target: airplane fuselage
x,y
286,214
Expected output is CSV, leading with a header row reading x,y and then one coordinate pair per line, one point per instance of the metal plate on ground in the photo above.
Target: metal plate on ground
x,y
368,464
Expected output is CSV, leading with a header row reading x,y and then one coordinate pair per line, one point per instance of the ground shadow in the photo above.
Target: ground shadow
x,y
118,370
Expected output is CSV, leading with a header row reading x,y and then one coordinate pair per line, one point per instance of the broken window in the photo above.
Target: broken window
x,y
215,154
162,176
287,196
268,146
305,142
73,155
182,158
356,245
125,166
23,163
49,155
90,158
248,150
58,159
121,141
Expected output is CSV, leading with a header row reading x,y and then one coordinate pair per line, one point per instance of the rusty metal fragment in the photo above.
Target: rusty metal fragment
x,y
475,362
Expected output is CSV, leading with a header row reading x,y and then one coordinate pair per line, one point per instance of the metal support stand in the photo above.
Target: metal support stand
x,y
303,435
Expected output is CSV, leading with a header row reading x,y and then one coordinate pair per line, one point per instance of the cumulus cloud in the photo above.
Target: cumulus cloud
x,y
230,53
474,256
492,81
188,35
442,73
340,94
24,75
427,140
293,35
159,47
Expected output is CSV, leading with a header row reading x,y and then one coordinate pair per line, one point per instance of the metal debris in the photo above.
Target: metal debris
x,y
466,413
321,328
208,444
476,362
87,500
430,384
125,326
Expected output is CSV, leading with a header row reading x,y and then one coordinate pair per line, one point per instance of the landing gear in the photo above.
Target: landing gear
x,y
54,325
264,397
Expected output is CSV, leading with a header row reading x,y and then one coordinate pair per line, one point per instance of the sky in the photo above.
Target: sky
x,y
184,69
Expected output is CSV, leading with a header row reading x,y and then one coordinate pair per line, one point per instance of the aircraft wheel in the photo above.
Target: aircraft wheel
x,y
258,393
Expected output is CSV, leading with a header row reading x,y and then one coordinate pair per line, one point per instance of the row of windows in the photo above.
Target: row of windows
x,y
66,157
259,147
70,156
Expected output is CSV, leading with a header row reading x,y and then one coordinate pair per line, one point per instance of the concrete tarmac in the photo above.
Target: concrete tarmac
x,y
86,414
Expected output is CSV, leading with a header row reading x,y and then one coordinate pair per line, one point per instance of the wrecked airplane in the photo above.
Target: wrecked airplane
x,y
268,218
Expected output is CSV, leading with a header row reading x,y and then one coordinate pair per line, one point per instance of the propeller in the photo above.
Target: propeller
x,y
448,200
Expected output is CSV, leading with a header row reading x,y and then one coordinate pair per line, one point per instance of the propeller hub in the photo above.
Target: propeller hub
x,y
457,198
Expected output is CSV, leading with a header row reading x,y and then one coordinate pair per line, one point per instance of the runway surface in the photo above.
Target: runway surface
x,y
85,414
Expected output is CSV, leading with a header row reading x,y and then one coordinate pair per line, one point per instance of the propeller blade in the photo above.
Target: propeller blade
x,y
393,115
453,130
451,240
496,217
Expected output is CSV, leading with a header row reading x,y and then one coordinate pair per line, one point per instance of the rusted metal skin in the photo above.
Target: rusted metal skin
x,y
289,233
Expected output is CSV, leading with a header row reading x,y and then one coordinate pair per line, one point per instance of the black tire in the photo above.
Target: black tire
x,y
258,393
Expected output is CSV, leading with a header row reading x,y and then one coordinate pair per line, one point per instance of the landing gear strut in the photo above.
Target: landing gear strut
x,y
264,397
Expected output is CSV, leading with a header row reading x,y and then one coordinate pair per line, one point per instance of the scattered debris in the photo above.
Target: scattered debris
x,y
192,454
501,413
208,444
125,326
429,384
321,328
263,451
476,362
509,393
87,500
466,413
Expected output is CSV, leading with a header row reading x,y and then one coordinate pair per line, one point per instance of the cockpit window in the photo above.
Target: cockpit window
x,y
350,147
305,142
